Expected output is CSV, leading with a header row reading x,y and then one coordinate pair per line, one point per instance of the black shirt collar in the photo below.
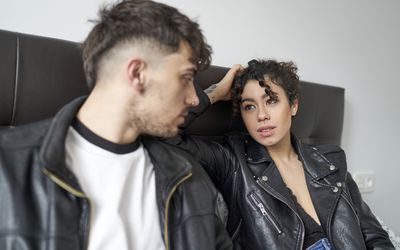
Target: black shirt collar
x,y
93,138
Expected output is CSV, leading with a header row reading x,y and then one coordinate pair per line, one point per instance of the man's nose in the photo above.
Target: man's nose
x,y
192,99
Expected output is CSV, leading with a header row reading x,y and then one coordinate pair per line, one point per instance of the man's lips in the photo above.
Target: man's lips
x,y
266,130
184,114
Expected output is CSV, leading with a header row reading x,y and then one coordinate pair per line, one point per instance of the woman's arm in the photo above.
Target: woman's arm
x,y
221,91
374,235
214,157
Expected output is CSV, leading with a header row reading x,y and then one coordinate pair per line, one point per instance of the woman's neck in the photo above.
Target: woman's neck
x,y
283,151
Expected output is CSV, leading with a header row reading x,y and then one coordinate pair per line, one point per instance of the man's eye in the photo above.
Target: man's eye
x,y
188,79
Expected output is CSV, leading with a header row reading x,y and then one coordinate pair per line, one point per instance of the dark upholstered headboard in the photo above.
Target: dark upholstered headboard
x,y
38,75
319,119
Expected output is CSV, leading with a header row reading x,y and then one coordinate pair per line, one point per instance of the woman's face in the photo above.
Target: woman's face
x,y
268,122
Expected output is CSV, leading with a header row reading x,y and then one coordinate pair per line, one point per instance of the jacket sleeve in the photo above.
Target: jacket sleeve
x,y
374,235
215,158
223,241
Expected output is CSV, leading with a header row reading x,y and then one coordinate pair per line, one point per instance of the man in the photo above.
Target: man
x,y
96,176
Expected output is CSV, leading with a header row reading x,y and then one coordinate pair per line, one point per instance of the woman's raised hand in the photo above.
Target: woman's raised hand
x,y
222,90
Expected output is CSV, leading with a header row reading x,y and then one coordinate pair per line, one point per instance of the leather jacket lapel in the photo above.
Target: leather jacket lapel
x,y
171,170
322,179
52,152
169,163
269,179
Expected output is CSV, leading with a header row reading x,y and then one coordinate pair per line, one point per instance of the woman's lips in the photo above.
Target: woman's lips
x,y
266,131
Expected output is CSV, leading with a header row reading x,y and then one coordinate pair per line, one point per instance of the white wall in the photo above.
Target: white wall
x,y
353,44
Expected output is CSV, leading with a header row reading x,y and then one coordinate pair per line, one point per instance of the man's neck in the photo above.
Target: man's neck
x,y
108,118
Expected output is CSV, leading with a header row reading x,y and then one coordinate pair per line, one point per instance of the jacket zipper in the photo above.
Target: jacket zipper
x,y
264,212
259,182
166,212
73,191
64,185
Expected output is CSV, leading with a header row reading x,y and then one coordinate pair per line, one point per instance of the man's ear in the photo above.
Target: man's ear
x,y
135,71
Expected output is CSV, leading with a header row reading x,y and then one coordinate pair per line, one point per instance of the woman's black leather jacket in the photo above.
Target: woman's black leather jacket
x,y
262,216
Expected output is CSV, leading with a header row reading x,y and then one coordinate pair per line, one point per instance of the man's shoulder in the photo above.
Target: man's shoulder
x,y
174,153
23,136
199,182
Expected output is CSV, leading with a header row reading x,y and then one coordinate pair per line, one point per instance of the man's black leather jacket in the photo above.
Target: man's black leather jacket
x,y
42,206
261,213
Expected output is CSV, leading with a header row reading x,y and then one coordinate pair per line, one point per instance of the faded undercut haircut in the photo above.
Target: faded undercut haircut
x,y
283,74
142,20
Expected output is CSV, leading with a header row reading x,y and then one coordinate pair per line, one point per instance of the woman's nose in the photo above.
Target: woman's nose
x,y
263,114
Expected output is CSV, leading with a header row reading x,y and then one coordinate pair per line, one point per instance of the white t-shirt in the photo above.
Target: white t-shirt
x,y
119,181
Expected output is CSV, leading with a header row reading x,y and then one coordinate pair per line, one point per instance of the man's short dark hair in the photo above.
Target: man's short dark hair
x,y
142,20
283,74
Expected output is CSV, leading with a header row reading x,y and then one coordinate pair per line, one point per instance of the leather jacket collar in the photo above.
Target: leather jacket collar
x,y
255,152
52,153
314,163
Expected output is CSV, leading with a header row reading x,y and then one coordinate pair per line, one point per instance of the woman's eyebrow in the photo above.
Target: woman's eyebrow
x,y
252,100
247,100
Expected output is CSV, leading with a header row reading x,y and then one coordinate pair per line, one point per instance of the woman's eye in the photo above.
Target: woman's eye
x,y
249,107
272,101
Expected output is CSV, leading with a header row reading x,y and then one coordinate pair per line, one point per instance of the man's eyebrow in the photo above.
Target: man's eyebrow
x,y
191,70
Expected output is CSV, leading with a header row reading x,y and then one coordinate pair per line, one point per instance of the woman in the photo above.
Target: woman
x,y
281,194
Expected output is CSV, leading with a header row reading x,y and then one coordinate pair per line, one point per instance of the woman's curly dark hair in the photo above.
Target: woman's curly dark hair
x,y
283,74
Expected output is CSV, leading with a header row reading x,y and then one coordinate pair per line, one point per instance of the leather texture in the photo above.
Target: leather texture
x,y
44,208
39,75
261,211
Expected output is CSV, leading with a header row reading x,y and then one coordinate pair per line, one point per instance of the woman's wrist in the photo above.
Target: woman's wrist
x,y
212,93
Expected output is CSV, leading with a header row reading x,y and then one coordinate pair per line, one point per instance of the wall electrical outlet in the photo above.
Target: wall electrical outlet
x,y
365,181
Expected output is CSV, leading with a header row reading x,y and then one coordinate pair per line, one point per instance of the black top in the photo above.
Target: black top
x,y
313,231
